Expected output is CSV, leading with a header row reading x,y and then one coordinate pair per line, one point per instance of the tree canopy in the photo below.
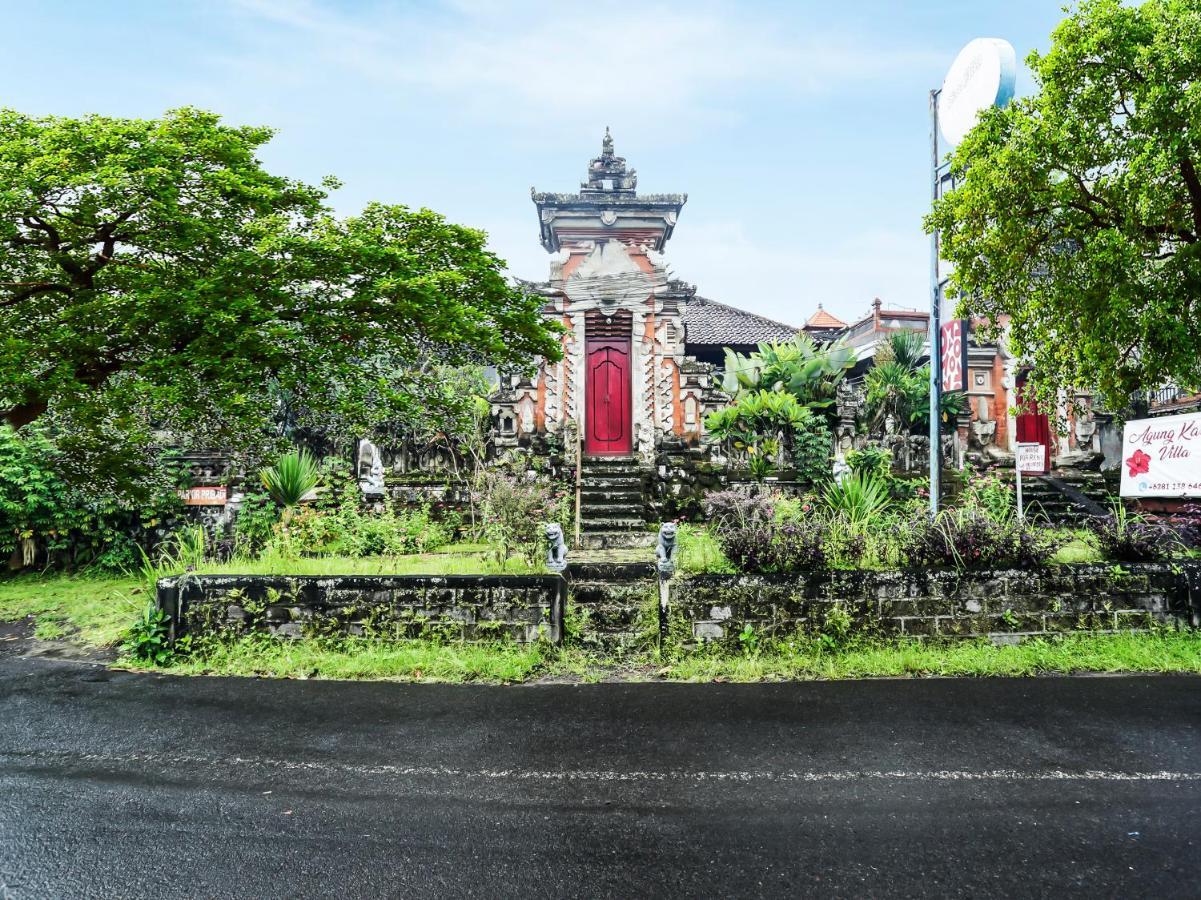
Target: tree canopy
x,y
154,275
1077,213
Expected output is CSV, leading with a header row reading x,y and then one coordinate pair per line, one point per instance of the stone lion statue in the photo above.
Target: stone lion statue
x,y
556,547
665,551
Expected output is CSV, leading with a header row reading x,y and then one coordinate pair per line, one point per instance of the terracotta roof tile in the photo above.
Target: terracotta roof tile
x,y
822,319
709,322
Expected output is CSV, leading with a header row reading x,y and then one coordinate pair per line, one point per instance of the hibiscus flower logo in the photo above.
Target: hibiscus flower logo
x,y
1139,463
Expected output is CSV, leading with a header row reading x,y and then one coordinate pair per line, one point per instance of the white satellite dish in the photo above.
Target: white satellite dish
x,y
983,75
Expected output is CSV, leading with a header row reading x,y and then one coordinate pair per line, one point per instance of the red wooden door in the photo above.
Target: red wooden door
x,y
607,394
1033,426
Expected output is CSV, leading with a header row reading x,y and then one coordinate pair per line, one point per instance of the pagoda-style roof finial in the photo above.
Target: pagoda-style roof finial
x,y
608,174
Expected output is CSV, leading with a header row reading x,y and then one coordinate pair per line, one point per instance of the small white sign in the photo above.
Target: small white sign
x,y
984,74
1032,459
1162,457
205,495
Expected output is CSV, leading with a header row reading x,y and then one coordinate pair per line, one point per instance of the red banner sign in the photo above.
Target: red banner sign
x,y
954,355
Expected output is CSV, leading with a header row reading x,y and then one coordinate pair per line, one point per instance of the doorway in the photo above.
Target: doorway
x,y
608,385
1033,425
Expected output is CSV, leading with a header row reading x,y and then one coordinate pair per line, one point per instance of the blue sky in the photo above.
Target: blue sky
x,y
799,130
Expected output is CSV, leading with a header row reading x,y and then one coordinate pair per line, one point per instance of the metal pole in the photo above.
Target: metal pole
x,y
1021,514
935,323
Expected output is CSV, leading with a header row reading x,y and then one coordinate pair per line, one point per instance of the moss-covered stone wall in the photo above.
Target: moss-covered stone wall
x,y
932,603
522,608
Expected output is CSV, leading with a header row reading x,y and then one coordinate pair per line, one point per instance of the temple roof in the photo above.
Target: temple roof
x,y
822,320
709,322
608,205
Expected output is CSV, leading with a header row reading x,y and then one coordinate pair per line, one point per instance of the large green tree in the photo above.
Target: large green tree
x,y
154,275
1077,216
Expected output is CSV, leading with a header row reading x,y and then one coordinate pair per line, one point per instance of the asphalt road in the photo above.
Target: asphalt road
x,y
122,785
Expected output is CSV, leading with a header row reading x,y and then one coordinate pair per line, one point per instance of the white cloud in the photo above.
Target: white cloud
x,y
786,281
525,73
529,61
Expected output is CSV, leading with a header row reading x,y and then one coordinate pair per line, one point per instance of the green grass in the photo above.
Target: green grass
x,y
697,551
1077,546
361,658
1159,651
91,610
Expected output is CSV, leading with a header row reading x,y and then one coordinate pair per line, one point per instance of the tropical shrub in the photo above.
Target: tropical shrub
x,y
395,533
811,450
761,533
56,523
873,461
896,385
292,476
748,546
255,523
515,511
989,493
860,498
734,508
970,539
801,368
754,423
1127,537
762,546
1185,523
797,546
148,640
782,392
846,544
352,530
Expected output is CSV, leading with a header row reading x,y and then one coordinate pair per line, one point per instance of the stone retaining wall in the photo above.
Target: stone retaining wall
x,y
612,602
924,603
523,608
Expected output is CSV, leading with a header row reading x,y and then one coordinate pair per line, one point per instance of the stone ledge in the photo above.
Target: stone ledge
x,y
945,603
462,607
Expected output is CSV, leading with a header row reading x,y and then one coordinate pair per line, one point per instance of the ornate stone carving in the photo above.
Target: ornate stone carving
x,y
984,432
556,547
371,470
665,550
1086,431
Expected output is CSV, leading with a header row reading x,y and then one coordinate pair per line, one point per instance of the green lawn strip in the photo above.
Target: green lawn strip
x,y
360,659
91,610
1160,651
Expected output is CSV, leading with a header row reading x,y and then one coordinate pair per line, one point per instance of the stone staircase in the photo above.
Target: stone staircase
x,y
611,504
615,604
1058,497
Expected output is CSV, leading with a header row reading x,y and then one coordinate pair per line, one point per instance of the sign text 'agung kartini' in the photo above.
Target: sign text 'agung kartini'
x,y
1162,457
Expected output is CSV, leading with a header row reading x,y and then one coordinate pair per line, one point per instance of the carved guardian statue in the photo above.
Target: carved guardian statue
x,y
556,547
665,551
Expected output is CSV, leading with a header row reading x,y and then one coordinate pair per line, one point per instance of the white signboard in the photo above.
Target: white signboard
x,y
1031,459
205,495
1162,457
984,74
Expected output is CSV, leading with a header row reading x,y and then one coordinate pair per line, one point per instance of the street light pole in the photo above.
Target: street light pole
x,y
935,321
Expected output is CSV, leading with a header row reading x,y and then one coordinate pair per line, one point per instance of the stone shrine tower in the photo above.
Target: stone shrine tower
x,y
624,382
